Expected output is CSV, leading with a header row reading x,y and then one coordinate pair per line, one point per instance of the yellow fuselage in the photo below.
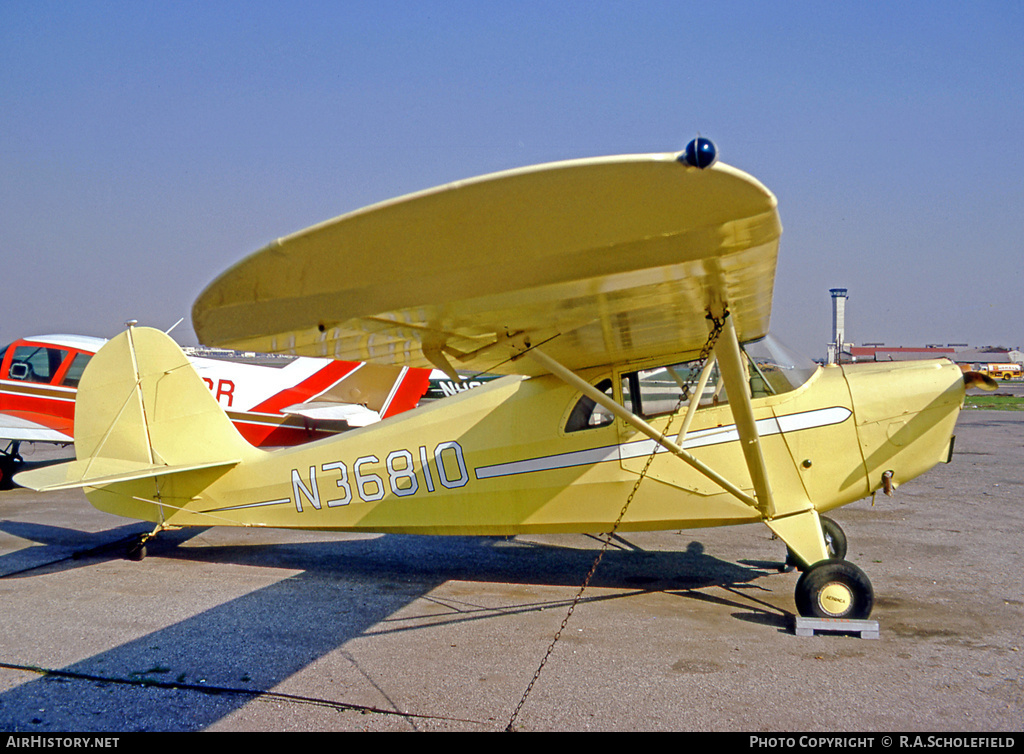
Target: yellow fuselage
x,y
497,460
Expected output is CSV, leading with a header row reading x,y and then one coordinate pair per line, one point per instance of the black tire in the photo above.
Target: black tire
x,y
9,466
835,538
834,589
136,551
835,545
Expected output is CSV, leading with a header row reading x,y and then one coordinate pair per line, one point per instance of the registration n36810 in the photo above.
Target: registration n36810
x,y
401,473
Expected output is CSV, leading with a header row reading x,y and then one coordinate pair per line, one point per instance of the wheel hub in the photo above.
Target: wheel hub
x,y
835,599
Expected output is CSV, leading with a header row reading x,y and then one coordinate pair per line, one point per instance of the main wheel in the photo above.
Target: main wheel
x,y
834,589
835,538
835,544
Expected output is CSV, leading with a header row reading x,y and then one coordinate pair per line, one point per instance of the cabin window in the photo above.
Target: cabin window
x,y
772,369
74,373
659,391
587,414
36,363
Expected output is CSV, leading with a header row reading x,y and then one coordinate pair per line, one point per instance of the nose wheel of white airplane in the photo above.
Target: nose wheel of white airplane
x,y
10,463
834,589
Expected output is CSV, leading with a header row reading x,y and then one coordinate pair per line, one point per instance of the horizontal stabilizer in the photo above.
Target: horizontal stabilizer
x,y
77,474
25,426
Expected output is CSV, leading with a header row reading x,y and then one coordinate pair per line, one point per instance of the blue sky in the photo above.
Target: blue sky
x,y
145,147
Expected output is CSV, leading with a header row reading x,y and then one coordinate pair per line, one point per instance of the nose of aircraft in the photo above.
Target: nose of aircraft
x,y
905,413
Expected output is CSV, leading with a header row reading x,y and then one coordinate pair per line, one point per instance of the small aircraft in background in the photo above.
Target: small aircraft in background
x,y
626,299
300,400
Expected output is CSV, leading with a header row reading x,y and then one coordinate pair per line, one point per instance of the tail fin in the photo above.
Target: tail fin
x,y
409,387
364,394
142,411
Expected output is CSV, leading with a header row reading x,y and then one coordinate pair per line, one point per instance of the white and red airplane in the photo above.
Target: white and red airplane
x,y
305,399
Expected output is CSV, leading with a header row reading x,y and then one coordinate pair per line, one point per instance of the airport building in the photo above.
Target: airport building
x,y
997,360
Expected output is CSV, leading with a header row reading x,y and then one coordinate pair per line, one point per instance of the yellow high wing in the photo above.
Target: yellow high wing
x,y
604,260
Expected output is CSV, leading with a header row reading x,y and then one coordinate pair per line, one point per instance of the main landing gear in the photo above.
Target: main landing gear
x,y
835,543
833,588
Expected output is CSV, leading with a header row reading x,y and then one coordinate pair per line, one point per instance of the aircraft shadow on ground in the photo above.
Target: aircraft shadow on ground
x,y
57,547
343,590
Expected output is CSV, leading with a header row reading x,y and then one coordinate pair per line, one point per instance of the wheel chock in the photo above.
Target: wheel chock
x,y
865,629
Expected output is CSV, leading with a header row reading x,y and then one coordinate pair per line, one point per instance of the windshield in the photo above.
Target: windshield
x,y
781,368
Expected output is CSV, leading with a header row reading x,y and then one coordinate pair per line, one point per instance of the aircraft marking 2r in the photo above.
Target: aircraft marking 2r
x,y
302,400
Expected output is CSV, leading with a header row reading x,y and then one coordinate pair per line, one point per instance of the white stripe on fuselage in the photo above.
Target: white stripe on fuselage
x,y
822,417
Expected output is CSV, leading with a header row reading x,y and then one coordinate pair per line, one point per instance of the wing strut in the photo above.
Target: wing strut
x,y
727,350
698,391
799,529
639,424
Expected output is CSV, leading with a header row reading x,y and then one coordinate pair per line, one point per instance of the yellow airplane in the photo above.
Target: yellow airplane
x,y
627,301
